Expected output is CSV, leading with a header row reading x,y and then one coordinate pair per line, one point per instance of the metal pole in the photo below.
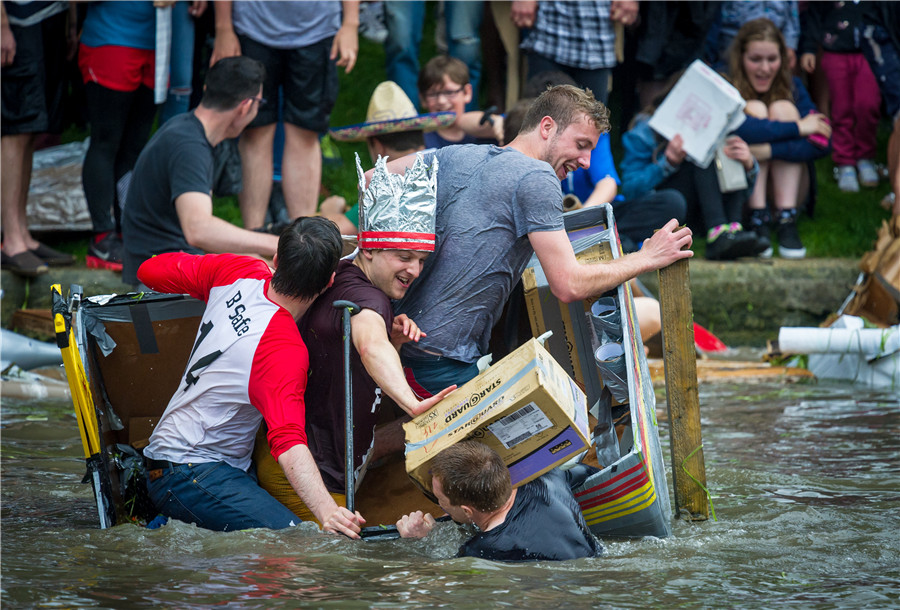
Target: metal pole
x,y
349,308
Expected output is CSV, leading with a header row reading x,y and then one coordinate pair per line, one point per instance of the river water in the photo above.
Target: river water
x,y
805,480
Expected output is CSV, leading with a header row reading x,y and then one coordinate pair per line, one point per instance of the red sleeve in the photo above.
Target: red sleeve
x,y
278,383
196,275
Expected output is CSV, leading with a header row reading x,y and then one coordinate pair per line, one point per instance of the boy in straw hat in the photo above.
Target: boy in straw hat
x,y
392,129
396,235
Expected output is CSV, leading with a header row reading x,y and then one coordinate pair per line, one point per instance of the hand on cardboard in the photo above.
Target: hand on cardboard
x,y
675,151
423,405
735,148
415,525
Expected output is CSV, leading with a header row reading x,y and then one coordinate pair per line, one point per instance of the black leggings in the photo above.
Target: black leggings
x,y
120,124
700,188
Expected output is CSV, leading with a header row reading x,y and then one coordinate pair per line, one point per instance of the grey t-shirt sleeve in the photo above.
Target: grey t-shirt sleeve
x,y
538,203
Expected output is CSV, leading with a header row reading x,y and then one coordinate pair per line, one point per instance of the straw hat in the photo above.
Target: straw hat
x,y
390,111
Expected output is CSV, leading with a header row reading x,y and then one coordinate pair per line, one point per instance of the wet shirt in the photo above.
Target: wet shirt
x,y
544,523
248,363
488,200
322,331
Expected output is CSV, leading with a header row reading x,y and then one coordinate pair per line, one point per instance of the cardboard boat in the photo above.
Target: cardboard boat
x,y
124,356
629,497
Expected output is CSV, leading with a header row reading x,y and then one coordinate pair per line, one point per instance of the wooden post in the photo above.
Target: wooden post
x,y
680,359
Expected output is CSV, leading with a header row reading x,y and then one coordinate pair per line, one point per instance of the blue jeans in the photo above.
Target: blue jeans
x,y
218,497
434,373
404,22
464,40
181,63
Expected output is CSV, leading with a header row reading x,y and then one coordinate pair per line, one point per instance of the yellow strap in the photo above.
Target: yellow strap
x,y
78,387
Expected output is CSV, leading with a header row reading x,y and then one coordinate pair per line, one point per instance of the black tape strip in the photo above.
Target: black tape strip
x,y
143,328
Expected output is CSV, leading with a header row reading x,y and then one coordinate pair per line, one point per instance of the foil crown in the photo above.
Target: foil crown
x,y
397,212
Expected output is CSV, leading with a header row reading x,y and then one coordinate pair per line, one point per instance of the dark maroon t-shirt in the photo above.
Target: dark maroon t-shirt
x,y
322,332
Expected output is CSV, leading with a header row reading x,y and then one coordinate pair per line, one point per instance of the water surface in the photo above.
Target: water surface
x,y
805,481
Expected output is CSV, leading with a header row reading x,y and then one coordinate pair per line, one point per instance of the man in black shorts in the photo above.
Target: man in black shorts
x,y
170,198
538,521
33,40
301,44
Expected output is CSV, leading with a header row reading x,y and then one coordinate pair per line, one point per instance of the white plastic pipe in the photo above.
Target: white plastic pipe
x,y
870,342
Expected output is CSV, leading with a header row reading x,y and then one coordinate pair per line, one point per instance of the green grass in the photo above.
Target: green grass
x,y
843,225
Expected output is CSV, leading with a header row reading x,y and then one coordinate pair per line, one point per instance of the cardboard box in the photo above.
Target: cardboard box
x,y
571,340
525,407
703,108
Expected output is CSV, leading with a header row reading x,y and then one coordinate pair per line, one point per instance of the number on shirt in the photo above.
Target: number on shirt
x,y
204,361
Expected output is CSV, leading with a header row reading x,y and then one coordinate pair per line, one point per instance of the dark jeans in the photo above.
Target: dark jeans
x,y
218,497
638,218
700,188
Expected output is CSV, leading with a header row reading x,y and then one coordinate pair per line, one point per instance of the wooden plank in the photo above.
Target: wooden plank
x,y
34,322
741,371
680,357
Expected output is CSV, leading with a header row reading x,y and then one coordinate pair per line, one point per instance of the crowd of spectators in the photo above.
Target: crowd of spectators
x,y
830,48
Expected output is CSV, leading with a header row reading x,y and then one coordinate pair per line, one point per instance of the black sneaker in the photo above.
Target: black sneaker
x,y
760,224
729,246
789,244
105,252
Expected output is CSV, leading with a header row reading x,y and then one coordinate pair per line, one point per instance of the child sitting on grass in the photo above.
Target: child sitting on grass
x,y
444,86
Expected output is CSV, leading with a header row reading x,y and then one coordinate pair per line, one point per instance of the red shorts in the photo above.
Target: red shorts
x,y
117,68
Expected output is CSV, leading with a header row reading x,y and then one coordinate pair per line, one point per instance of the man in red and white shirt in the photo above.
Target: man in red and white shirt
x,y
248,364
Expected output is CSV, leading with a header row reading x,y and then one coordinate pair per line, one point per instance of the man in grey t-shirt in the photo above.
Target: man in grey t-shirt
x,y
495,206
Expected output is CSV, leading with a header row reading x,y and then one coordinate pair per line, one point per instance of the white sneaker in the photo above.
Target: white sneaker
x,y
868,175
846,177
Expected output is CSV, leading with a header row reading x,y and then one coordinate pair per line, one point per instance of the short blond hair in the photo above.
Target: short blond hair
x,y
564,104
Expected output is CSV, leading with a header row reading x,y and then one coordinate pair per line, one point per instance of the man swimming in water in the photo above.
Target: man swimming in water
x,y
540,520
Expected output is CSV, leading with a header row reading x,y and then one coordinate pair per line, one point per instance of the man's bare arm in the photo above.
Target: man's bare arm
x,y
570,281
303,475
380,358
212,234
226,42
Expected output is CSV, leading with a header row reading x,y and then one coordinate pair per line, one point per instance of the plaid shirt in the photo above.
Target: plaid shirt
x,y
574,34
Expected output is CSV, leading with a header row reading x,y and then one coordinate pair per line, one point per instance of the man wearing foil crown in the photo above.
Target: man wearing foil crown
x,y
495,207
396,220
